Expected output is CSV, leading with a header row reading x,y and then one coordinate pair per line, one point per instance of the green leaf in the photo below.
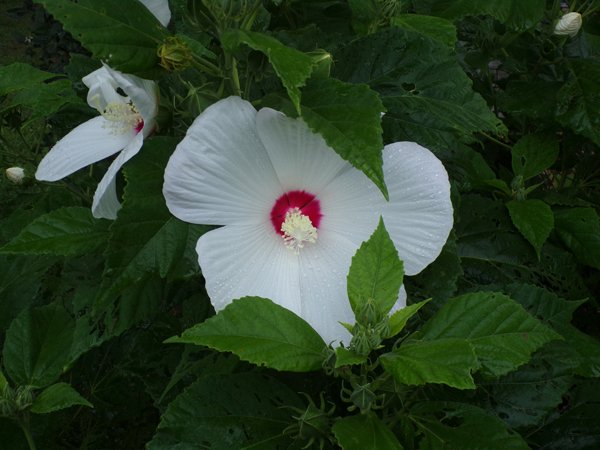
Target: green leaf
x,y
444,361
516,14
399,318
579,229
223,412
502,333
56,397
292,66
348,118
37,345
435,28
261,332
579,99
534,219
451,425
364,432
375,274
428,97
17,76
534,153
67,231
123,33
345,357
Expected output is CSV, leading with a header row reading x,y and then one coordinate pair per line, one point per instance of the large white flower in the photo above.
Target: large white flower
x,y
295,212
160,9
124,122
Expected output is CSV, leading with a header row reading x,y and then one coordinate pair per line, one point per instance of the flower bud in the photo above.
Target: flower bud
x,y
174,54
568,25
15,174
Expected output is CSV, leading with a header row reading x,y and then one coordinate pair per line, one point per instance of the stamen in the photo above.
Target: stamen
x,y
297,229
123,117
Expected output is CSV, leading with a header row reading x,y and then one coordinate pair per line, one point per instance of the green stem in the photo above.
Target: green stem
x,y
235,79
24,424
493,139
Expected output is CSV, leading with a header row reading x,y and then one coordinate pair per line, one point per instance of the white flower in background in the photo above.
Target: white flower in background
x,y
568,25
124,122
160,9
295,212
15,175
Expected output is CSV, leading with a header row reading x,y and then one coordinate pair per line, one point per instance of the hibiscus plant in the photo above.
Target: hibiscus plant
x,y
272,224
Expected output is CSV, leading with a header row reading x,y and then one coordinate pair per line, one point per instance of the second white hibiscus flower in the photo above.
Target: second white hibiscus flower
x,y
295,212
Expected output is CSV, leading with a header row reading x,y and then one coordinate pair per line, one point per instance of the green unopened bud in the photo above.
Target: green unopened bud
x,y
313,423
369,313
568,25
174,54
363,397
322,61
24,397
518,187
15,175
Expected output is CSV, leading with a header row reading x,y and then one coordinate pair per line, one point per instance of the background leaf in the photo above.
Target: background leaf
x,y
534,219
56,397
364,432
533,153
262,332
579,229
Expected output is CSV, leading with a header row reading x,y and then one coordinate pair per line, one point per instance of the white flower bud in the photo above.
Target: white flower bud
x,y
15,174
568,25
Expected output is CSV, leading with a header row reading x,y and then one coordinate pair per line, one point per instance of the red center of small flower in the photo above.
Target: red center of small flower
x,y
139,126
306,203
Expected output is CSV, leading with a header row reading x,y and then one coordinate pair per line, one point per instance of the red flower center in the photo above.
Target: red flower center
x,y
306,203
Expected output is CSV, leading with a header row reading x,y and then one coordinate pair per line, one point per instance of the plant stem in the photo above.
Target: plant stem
x,y
24,424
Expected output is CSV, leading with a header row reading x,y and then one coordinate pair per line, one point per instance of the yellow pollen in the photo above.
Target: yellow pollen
x,y
121,117
297,229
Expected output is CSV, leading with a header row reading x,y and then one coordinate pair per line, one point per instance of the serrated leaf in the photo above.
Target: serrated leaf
x,y
292,66
516,14
37,345
223,412
261,332
348,118
67,231
428,97
502,333
346,357
56,397
123,33
398,319
375,274
436,28
579,229
579,99
534,219
451,425
534,153
364,432
443,361
17,76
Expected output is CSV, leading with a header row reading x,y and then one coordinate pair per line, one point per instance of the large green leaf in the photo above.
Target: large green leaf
x,y
123,33
534,219
56,397
579,99
502,333
444,361
579,229
435,28
517,14
399,319
450,425
364,432
348,118
292,66
17,76
375,274
64,232
262,332
534,153
225,412
428,97
37,345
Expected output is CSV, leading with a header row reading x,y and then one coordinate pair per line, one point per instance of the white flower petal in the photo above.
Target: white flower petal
x,y
102,89
143,93
418,216
241,260
301,158
401,302
351,206
323,271
220,172
160,9
86,144
106,204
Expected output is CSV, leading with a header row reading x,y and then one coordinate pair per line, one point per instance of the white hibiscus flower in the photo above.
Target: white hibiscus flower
x,y
295,212
160,9
124,122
